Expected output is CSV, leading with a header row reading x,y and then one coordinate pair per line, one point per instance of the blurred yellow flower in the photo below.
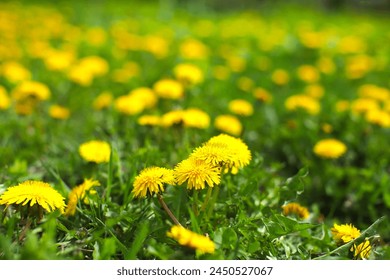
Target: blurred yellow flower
x,y
342,105
188,74
262,95
145,95
187,238
326,65
297,209
168,88
197,118
129,105
34,193
308,73
301,101
79,193
221,72
378,117
229,124
358,66
364,105
95,151
15,72
374,92
314,90
241,107
33,89
171,118
193,49
280,77
5,101
102,101
149,120
329,148
59,112
245,83
151,180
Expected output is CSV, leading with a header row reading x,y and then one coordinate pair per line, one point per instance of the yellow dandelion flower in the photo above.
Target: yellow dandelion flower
x,y
95,151
228,124
197,173
95,65
172,118
305,102
314,90
102,101
297,209
188,238
151,180
362,250
59,112
280,77
378,117
342,105
238,151
344,233
363,105
308,73
329,148
221,73
169,89
15,72
149,120
79,193
374,92
241,107
193,49
129,105
245,84
145,96
32,89
197,118
34,192
189,74
213,153
262,95
5,101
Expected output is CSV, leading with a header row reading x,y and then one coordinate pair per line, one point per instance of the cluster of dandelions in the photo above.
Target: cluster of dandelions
x,y
204,167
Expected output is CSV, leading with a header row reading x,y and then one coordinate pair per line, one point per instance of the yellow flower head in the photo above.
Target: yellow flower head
x,y
262,95
59,112
171,118
188,238
193,49
229,124
129,105
308,73
151,180
5,101
149,120
241,107
145,96
329,148
197,173
31,89
189,74
295,208
280,77
362,250
102,101
238,151
301,101
169,89
15,72
79,193
344,233
34,192
196,118
95,151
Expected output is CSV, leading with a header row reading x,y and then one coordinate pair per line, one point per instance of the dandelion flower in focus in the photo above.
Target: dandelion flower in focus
x,y
188,238
95,151
34,193
295,208
241,107
197,173
151,180
80,193
344,233
329,148
362,250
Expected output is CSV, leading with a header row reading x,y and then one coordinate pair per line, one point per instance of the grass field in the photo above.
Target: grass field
x,y
174,131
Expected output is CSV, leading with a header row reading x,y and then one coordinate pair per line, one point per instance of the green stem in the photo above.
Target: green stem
x,y
213,200
195,204
206,200
167,210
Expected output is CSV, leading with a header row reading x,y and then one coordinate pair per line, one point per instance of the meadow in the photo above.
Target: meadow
x,y
155,130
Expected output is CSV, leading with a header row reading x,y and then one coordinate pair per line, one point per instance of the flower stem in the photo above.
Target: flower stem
x,y
169,212
206,200
213,200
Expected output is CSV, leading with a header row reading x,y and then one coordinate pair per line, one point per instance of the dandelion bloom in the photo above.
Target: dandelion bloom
x,y
194,117
31,89
262,94
308,73
188,74
329,148
301,101
188,238
169,89
240,155
378,117
172,118
95,151
145,95
151,180
229,124
362,250
344,233
102,101
297,209
197,173
34,192
79,193
280,77
129,105
5,101
59,112
14,72
193,49
241,107
149,120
